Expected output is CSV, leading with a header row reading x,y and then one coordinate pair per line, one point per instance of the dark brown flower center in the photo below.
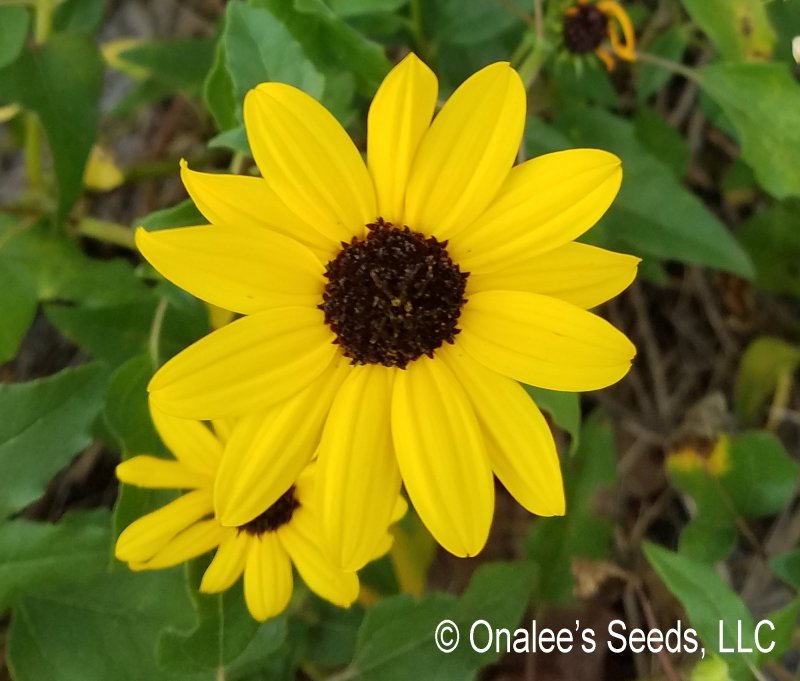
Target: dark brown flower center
x,y
585,28
274,517
393,296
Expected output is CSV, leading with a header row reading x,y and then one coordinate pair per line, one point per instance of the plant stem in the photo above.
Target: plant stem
x,y
155,332
43,10
109,232
681,69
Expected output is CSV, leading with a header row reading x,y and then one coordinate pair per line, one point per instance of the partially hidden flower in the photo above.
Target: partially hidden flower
x,y
588,25
261,550
391,307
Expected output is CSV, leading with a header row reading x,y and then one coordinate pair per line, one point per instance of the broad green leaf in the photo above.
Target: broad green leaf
x,y
330,640
740,29
653,214
104,630
710,604
13,31
650,78
584,80
181,63
767,120
764,365
463,23
564,409
772,240
762,476
582,532
787,567
183,214
83,16
17,309
396,640
45,424
61,82
662,140
785,623
223,630
38,555
59,270
786,21
218,92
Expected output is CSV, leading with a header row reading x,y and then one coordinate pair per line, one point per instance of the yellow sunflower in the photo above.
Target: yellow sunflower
x,y
588,24
263,549
391,307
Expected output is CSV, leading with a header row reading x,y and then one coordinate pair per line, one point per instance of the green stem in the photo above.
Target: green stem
x,y
43,10
44,21
416,23
155,332
681,69
109,232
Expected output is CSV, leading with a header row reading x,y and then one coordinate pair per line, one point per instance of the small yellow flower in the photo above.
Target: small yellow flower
x,y
711,455
588,24
263,550
391,307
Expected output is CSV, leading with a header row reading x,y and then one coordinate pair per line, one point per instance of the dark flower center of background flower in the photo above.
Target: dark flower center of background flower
x,y
274,517
585,28
392,297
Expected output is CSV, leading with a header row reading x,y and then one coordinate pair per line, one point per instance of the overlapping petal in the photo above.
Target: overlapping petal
x,y
519,442
249,204
545,203
442,456
543,341
576,273
357,475
194,541
191,442
268,450
245,366
228,563
399,116
301,539
154,473
235,270
308,160
467,152
267,577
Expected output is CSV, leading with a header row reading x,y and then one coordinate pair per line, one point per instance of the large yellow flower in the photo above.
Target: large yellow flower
x,y
392,307
262,550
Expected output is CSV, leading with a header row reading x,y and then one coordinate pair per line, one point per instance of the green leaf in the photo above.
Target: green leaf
x,y
396,643
653,214
740,29
182,63
582,532
785,623
461,23
83,16
36,555
223,630
709,602
45,424
765,364
352,8
330,640
58,268
586,81
183,214
671,45
61,82
103,630
786,21
564,409
767,120
662,140
762,476
772,240
17,309
13,31
787,567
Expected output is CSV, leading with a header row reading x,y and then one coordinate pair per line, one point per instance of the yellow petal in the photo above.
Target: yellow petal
x,y
142,539
233,269
249,203
267,577
228,563
301,539
442,456
194,541
521,448
155,473
247,365
191,442
543,341
399,115
309,160
545,203
102,173
576,273
269,449
357,475
467,152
